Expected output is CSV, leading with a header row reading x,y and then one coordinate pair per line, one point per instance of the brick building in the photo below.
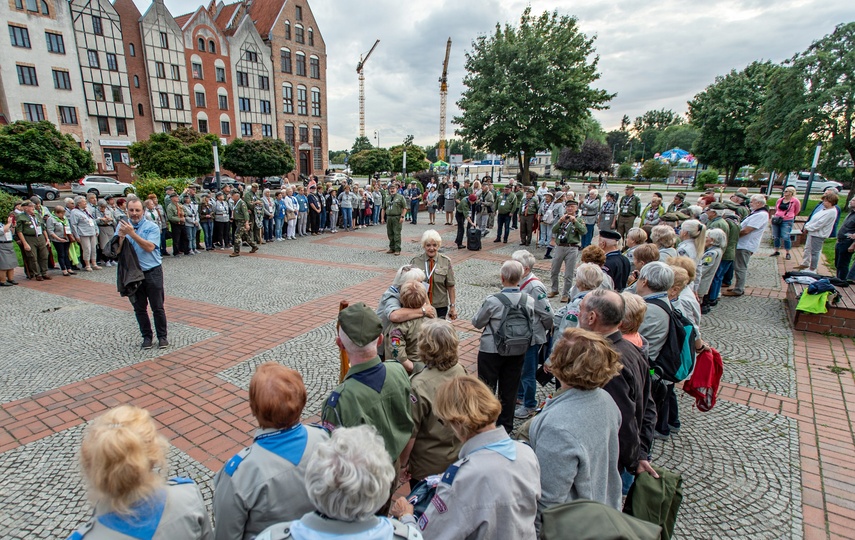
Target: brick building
x,y
135,60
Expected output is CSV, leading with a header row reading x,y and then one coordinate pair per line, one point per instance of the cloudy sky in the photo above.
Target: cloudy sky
x,y
652,54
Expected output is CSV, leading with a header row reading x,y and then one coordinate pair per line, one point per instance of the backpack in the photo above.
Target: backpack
x,y
676,360
703,384
514,334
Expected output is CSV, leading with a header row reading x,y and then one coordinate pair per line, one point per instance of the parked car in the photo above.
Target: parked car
x,y
271,182
101,186
210,182
337,178
820,183
47,193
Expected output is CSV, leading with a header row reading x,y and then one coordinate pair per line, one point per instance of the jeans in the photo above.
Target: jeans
x,y
62,255
842,258
323,218
781,234
150,293
190,233
278,223
545,234
589,236
208,229
414,211
302,220
347,218
375,217
627,479
268,229
528,383
504,223
163,242
715,287
502,373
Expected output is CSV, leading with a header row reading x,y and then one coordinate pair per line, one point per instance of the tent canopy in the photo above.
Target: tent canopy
x,y
440,163
674,154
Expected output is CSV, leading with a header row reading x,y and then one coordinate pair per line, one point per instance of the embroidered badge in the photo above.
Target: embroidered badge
x,y
439,504
413,398
423,522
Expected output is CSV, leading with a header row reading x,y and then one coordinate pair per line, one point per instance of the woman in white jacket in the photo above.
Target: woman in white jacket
x,y
291,211
818,228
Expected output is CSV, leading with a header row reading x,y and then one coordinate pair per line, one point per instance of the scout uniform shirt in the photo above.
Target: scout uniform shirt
x,y
28,225
241,212
630,205
396,205
569,232
439,277
529,207
376,394
402,342
506,202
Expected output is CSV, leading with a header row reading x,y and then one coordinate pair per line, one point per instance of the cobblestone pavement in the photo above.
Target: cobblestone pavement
x,y
769,461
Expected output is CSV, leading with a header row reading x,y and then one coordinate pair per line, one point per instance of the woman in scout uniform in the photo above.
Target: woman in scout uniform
x,y
59,231
440,275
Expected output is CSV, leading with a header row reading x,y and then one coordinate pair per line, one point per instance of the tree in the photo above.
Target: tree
x,y
657,120
416,160
593,156
370,161
625,170
723,112
653,168
34,152
337,156
618,141
360,144
259,158
529,87
181,153
677,136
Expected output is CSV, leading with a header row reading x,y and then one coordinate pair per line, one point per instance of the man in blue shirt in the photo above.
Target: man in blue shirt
x,y
144,236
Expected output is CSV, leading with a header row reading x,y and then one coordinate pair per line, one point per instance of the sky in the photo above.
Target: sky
x,y
653,55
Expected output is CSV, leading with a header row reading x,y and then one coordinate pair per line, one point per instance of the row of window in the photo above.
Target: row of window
x,y
300,33
212,47
95,60
285,64
35,112
33,6
302,104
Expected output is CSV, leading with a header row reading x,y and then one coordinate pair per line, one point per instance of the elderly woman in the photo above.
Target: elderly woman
x,y
347,202
607,219
575,437
589,276
665,239
786,210
191,221
59,232
121,457
8,258
652,214
633,315
681,294
206,221
401,340
594,254
450,203
264,484
439,275
268,207
291,210
635,237
85,230
693,238
644,254
491,492
432,196
710,261
390,310
155,212
302,211
106,217
348,480
433,446
548,213
590,208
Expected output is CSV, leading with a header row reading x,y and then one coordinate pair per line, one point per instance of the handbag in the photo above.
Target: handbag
x,y
777,220
290,214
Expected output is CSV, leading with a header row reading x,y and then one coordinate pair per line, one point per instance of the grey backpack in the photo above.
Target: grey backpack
x,y
514,334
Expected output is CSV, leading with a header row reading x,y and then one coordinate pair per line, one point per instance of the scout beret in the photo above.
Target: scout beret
x,y
717,206
681,194
742,196
611,235
25,202
360,324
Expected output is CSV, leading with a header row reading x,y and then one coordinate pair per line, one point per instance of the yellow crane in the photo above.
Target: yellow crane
x,y
359,67
443,100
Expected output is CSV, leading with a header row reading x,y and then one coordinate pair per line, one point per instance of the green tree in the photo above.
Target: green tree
x,y
529,87
677,136
657,120
370,161
654,169
259,157
593,157
723,112
337,156
625,170
618,142
178,154
707,178
416,160
360,144
34,152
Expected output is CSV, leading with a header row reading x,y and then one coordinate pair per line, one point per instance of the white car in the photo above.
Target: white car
x,y
101,186
820,183
337,178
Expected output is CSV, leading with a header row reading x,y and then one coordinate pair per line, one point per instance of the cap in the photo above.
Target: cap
x,y
742,196
167,188
473,197
681,194
25,202
629,186
254,185
611,235
360,324
530,189
549,194
108,197
717,206
571,201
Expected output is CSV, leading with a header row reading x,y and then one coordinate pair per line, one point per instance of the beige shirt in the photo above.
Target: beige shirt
x,y
402,340
439,279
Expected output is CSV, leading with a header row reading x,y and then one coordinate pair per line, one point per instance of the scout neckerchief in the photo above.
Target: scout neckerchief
x,y
429,272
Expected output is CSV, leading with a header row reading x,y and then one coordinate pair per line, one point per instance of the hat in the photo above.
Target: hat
x,y
312,186
35,199
530,189
742,196
25,202
254,185
549,194
360,324
611,235
167,188
571,201
681,194
717,206
473,197
108,197
629,186
674,216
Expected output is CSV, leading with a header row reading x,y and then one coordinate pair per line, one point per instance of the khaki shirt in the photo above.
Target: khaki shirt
x,y
436,446
402,341
396,206
241,212
24,224
440,280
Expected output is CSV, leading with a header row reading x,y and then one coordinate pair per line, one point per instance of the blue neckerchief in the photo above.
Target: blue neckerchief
x,y
143,520
657,296
511,289
289,443
505,448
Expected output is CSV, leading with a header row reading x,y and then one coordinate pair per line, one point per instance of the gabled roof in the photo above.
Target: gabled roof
x,y
181,20
265,13
224,19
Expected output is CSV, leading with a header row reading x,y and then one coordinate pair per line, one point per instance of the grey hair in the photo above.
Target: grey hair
x,y
638,235
607,304
695,210
349,476
719,239
354,350
406,273
68,200
663,235
589,276
512,272
102,202
431,235
659,276
759,197
525,258
79,198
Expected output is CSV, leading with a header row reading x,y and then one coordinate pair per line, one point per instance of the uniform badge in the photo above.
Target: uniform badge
x,y
541,296
423,522
439,504
413,398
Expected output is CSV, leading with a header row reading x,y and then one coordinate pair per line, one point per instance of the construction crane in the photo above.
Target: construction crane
x,y
443,100
359,67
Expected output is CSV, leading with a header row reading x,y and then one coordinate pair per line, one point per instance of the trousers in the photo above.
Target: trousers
x,y
504,224
526,229
502,373
150,293
393,231
740,269
565,255
37,257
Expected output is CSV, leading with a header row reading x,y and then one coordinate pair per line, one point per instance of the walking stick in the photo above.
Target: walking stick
x,y
344,362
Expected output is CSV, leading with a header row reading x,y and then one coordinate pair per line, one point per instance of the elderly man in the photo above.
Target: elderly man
x,y
567,234
716,219
738,203
678,204
529,207
396,208
751,231
602,311
32,235
628,209
373,392
505,204
617,264
843,249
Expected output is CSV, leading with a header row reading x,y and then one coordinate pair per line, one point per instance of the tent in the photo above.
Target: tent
x,y
674,154
438,164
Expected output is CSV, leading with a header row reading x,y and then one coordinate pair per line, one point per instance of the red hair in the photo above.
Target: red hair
x,y
277,396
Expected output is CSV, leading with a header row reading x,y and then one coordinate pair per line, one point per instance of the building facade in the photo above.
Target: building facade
x,y
137,74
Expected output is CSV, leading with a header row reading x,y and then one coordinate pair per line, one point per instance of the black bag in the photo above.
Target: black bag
x,y
676,360
777,220
514,334
473,239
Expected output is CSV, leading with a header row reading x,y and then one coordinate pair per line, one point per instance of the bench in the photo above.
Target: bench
x,y
840,318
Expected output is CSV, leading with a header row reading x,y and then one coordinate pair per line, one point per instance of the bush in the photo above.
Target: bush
x,y
654,168
625,170
157,185
709,176
7,204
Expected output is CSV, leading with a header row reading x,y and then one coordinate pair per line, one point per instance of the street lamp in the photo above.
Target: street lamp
x,y
88,146
377,138
216,151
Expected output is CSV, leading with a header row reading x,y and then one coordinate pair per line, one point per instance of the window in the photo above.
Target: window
x,y
298,13
93,58
140,109
121,126
289,135
164,100
264,82
298,34
19,4
316,102
167,127
112,63
251,56
131,49
203,126
200,99
266,130
97,29
287,98
20,36
136,81
287,29
316,147
302,105
212,47
61,80
45,10
265,106
179,101
103,125
301,64
304,134
245,129
200,44
67,115
197,70
224,102
244,104
242,78
221,74
55,43
285,60
312,40
32,6
164,40
98,92
314,68
176,72
34,112
160,70
225,127
117,94
27,76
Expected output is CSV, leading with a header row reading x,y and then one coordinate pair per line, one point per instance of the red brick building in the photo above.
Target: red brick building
x,y
135,59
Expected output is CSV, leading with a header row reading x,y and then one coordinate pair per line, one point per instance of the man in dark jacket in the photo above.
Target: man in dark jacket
x,y
617,264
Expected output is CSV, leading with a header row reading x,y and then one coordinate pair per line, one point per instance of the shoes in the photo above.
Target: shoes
x,y
254,249
234,254
705,309
714,303
72,273
788,257
674,430
564,299
496,241
732,293
96,267
397,253
777,253
146,344
12,281
6,284
162,343
391,251
39,278
552,295
801,267
46,277
726,284
547,257
523,412
660,436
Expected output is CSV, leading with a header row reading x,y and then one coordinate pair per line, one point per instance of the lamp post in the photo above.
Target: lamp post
x,y
216,151
812,173
407,141
377,138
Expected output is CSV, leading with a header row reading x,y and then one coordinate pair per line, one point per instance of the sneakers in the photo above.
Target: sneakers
x,y
146,344
162,343
523,412
254,249
675,430
776,254
660,436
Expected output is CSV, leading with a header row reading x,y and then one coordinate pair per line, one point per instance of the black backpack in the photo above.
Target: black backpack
x,y
514,334
676,360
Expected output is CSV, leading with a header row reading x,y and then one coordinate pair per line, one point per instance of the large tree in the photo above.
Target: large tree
x,y
723,112
259,158
360,144
180,153
36,152
677,136
593,157
648,127
528,87
370,161
416,160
